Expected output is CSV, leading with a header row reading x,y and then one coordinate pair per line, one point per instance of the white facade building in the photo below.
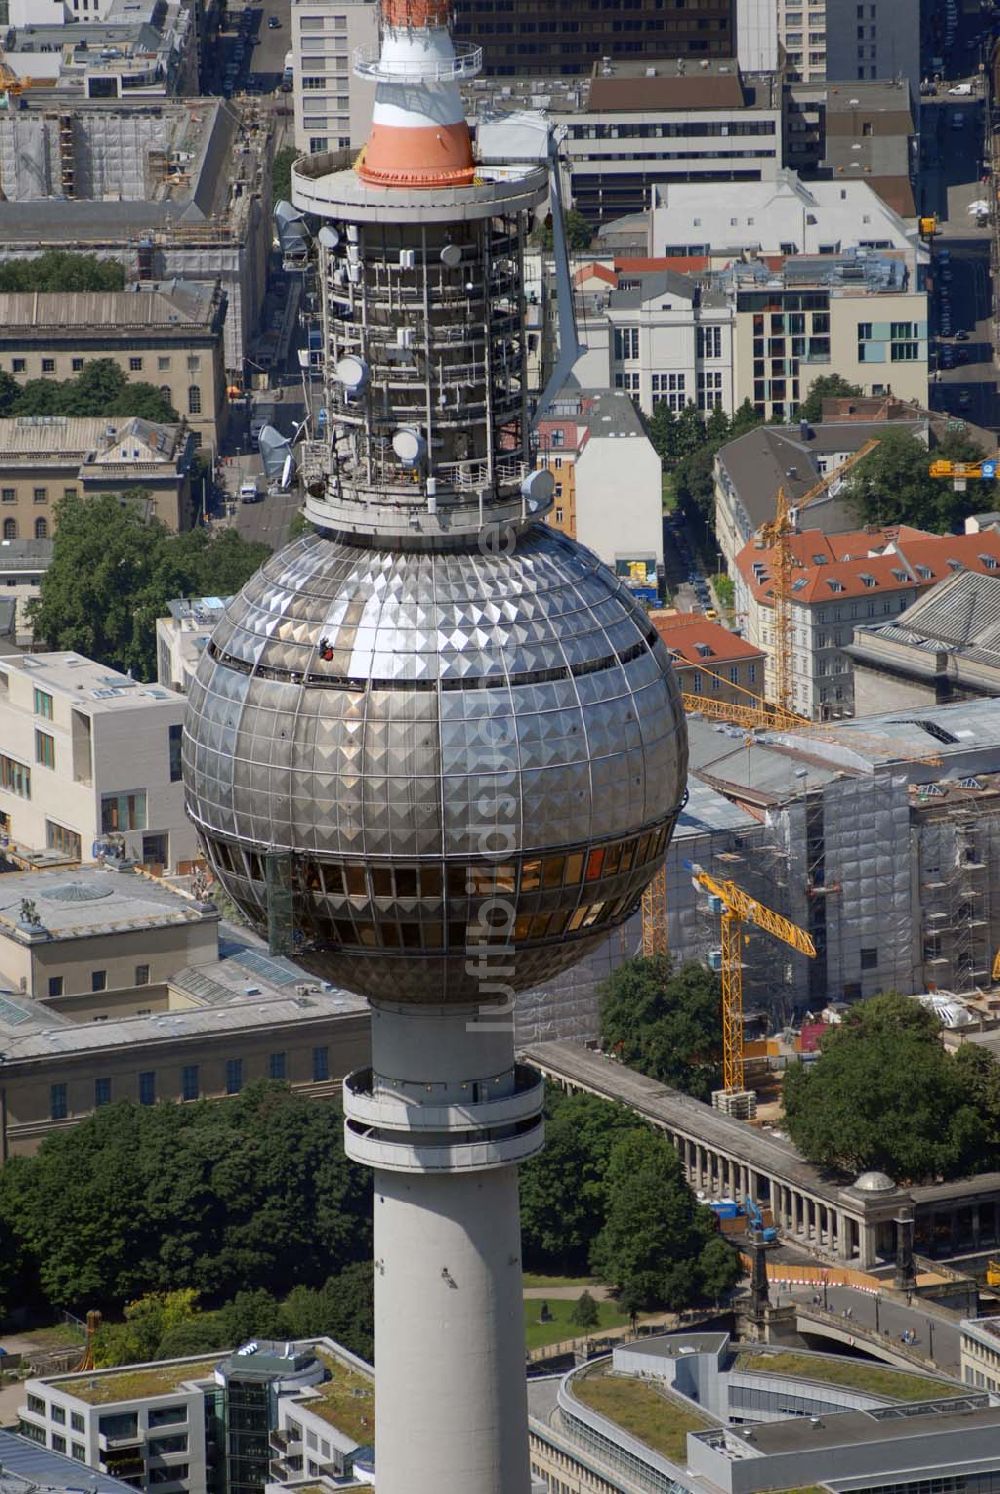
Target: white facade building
x,y
181,638
757,35
333,107
87,753
786,216
802,31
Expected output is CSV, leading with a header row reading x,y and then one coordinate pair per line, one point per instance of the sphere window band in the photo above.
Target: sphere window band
x,y
433,906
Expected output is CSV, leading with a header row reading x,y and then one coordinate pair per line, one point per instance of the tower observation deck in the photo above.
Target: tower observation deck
x,y
435,738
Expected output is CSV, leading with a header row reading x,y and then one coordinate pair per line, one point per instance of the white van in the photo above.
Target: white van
x,y
250,492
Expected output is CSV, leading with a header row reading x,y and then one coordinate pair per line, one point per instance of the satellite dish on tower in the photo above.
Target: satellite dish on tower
x,y
538,487
451,255
409,445
352,372
329,237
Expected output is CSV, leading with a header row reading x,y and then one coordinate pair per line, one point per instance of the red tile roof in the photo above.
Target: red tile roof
x,y
682,264
594,271
865,562
684,633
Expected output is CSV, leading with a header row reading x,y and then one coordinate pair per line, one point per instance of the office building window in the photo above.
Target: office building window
x,y
70,493
277,1066
41,529
709,342
234,1075
147,1087
174,749
142,975
626,342
57,1102
79,1452
123,811
135,365
10,529
77,365
76,1422
189,1082
98,980
162,364
58,1442
48,365
45,749
58,838
102,1092
40,495
43,704
194,400
8,495
321,1064
55,985
18,365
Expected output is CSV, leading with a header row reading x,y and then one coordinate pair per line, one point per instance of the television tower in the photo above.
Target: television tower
x,y
434,746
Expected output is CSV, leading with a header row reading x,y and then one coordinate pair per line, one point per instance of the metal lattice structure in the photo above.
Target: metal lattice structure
x,y
654,915
736,908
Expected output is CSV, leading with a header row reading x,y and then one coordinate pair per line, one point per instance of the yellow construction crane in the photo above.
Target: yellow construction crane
x,y
654,915
995,973
737,908
774,536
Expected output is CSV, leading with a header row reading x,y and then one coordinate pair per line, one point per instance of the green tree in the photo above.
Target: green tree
x,y
578,232
695,476
281,174
219,1199
664,1023
113,571
254,1314
146,1321
661,429
829,386
585,1313
745,419
62,270
893,485
563,1191
101,388
717,427
654,1245
203,1334
883,1094
689,431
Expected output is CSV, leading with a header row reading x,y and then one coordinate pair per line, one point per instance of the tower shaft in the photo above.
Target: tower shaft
x,y
444,1116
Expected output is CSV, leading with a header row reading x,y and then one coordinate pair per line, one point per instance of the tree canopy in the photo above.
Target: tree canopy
x,y
892,485
828,386
281,173
884,1094
658,1247
113,571
100,388
665,1023
62,270
563,1189
218,1199
686,443
578,232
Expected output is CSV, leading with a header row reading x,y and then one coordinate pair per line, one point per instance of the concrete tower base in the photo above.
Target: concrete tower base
x,y
444,1116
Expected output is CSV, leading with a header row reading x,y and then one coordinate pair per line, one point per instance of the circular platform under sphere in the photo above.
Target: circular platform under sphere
x,y
403,754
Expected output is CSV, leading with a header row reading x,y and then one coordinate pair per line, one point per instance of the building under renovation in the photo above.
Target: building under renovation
x,y
171,189
879,837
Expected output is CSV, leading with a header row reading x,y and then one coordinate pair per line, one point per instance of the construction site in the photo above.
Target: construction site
x,y
169,189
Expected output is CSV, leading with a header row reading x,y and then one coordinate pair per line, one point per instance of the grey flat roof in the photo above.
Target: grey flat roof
x,y
887,1423
670,1345
94,900
706,810
31,1464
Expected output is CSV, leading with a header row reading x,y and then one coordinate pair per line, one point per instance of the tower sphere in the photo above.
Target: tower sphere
x,y
435,750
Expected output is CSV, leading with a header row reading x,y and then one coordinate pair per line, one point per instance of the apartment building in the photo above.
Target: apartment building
x,y
710,660
784,217
861,129
128,48
581,443
203,1424
520,38
167,334
750,470
90,759
838,581
979,1351
633,125
857,314
23,563
802,32
182,637
332,105
656,335
876,39
44,458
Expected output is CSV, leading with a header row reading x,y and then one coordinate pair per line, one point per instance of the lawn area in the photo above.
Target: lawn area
x,y
857,1374
669,490
58,1336
533,1279
346,1401
102,1387
658,1420
536,1334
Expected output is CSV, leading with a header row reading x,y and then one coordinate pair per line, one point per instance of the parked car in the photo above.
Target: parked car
x,y
961,335
273,24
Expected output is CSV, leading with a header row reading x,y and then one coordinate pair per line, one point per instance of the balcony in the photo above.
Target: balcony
x,y
286,1442
390,1111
